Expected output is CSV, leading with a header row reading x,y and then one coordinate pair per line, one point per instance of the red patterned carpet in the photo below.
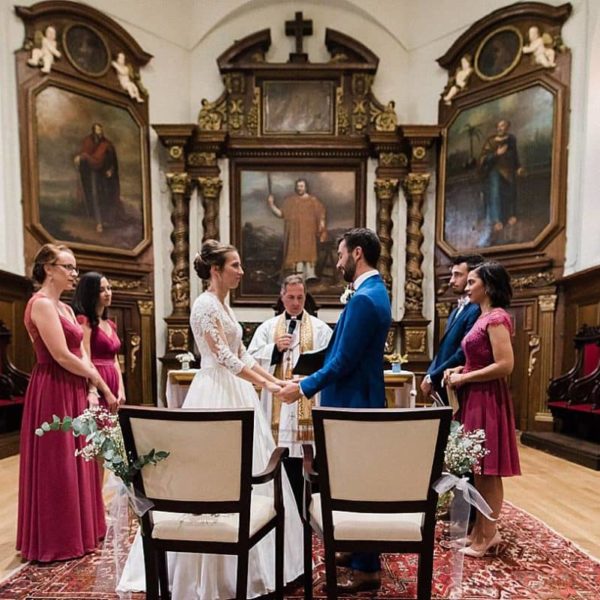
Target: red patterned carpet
x,y
534,562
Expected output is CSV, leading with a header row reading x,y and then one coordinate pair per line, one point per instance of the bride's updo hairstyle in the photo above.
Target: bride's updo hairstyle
x,y
212,253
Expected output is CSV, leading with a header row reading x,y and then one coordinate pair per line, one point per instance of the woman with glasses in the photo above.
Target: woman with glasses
x,y
61,513
92,298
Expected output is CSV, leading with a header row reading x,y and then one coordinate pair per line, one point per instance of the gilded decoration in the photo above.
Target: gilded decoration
x,y
343,122
547,302
390,340
361,84
177,182
135,342
176,152
415,340
534,348
540,279
442,309
499,53
416,183
180,288
145,307
386,119
202,159
213,115
178,339
391,159
385,188
210,187
252,121
359,114
234,83
419,152
125,284
236,113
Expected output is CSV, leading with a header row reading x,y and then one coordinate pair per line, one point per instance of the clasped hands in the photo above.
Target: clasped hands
x,y
287,391
453,377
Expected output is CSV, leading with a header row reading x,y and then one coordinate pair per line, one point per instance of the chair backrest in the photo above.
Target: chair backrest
x,y
384,457
210,462
591,358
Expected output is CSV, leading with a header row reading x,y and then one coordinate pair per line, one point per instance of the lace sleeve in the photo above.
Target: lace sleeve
x,y
207,326
500,317
246,357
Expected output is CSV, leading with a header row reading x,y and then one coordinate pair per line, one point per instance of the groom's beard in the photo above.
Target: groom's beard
x,y
349,270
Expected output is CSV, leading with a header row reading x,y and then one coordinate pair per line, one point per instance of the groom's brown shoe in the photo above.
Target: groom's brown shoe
x,y
360,581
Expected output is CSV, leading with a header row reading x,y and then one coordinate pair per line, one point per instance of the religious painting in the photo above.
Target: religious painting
x,y
287,219
86,50
89,158
497,189
298,107
499,53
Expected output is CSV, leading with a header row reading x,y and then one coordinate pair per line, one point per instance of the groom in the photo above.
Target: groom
x,y
352,374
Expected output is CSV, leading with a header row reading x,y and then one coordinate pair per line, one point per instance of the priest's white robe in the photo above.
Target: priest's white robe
x,y
261,348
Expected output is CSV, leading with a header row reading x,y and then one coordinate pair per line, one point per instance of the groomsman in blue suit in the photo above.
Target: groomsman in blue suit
x,y
459,323
352,373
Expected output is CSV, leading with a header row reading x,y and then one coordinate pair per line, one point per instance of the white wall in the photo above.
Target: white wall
x,y
186,36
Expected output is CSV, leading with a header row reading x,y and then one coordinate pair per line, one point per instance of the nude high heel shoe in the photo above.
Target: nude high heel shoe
x,y
493,544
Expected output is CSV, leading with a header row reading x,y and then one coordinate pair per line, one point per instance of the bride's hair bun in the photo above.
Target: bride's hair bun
x,y
212,253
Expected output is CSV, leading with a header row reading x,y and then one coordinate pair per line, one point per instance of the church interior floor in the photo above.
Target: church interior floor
x,y
560,493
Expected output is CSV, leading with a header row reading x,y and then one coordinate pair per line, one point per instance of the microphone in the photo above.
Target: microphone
x,y
292,325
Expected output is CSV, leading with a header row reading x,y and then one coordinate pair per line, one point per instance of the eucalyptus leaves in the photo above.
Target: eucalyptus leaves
x,y
464,450
103,440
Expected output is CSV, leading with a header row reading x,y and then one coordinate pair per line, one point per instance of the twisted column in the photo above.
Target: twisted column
x,y
180,280
415,185
385,191
210,190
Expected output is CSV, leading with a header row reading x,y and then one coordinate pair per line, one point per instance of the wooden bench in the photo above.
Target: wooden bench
x,y
574,398
13,384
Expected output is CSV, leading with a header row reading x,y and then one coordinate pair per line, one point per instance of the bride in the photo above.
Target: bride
x,y
225,381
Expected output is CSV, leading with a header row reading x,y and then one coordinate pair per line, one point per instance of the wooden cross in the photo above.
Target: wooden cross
x,y
298,28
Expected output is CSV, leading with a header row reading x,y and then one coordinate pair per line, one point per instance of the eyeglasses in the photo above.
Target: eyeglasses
x,y
70,268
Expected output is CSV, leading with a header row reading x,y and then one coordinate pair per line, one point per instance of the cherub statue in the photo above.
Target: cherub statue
x,y
541,46
44,49
460,80
125,74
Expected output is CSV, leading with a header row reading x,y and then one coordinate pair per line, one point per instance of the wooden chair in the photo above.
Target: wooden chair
x,y
375,474
208,471
13,385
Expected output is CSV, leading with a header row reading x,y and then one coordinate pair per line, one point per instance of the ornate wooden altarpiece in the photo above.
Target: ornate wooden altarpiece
x,y
511,65
234,127
77,69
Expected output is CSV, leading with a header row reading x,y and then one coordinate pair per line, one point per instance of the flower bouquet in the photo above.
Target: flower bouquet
x,y
104,441
185,358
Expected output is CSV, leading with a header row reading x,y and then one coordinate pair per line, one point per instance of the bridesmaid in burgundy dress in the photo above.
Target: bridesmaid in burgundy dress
x,y
61,513
92,298
484,395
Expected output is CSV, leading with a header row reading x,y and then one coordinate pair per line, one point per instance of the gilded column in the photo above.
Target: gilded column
x,y
547,304
385,191
146,309
210,190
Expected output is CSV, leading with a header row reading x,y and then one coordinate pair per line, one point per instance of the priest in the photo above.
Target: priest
x,y
277,345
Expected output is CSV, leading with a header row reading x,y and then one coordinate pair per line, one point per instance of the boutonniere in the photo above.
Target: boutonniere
x,y
347,294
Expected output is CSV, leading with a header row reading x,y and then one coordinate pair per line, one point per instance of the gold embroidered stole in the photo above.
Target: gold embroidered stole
x,y
283,370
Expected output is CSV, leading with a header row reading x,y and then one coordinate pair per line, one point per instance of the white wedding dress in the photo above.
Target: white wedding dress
x,y
218,336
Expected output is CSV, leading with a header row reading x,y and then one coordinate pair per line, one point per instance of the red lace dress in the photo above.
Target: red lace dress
x,y
487,405
61,513
104,348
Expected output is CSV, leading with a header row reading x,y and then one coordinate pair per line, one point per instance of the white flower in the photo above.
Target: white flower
x,y
185,357
347,295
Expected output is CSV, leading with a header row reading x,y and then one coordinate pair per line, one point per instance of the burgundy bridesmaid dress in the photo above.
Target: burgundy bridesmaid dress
x,y
61,512
104,348
487,405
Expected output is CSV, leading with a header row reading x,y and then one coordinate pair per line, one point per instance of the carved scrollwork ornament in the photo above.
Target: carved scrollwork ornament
x,y
178,339
210,187
384,120
236,113
415,341
125,284
135,342
390,159
385,188
534,348
178,182
416,183
213,115
419,152
252,121
547,302
202,159
442,309
145,307
536,280
343,121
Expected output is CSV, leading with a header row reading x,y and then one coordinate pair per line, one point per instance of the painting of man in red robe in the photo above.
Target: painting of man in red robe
x,y
99,172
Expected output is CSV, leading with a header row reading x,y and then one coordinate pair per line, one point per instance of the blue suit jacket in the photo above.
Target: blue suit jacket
x,y
352,374
450,353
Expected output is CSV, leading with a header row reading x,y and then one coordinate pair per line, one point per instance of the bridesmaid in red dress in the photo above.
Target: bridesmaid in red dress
x,y
90,302
61,513
484,395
